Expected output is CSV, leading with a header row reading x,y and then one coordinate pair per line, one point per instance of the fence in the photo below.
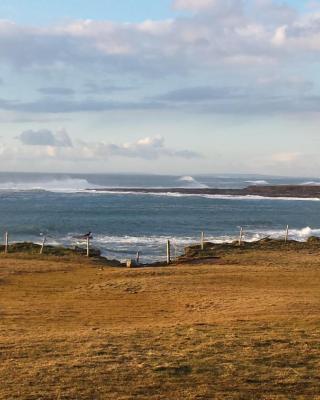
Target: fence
x,y
170,250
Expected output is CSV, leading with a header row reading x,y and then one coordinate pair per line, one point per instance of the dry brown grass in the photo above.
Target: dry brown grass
x,y
248,329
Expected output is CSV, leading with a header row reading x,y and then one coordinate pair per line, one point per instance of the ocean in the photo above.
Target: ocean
x,y
63,206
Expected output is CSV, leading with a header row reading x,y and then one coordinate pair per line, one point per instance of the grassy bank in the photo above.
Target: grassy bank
x,y
243,327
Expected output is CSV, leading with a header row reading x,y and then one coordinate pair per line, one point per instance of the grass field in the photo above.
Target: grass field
x,y
247,327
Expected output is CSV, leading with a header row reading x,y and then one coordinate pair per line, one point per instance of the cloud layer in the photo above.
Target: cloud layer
x,y
59,145
147,148
236,40
189,77
230,32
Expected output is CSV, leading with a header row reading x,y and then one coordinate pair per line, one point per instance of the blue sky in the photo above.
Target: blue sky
x,y
170,86
44,11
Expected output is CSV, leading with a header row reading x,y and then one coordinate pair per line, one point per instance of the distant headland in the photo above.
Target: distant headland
x,y
289,191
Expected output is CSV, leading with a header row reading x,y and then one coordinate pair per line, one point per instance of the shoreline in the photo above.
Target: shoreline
x,y
275,191
211,253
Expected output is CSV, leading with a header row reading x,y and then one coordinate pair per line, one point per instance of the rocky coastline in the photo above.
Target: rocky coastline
x,y
289,191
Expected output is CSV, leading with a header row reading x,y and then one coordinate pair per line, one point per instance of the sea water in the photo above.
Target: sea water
x,y
63,206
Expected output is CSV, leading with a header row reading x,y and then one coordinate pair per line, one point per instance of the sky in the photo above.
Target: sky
x,y
162,86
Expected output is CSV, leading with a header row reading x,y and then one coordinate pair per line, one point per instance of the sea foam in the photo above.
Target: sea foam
x,y
66,185
152,248
257,182
192,182
167,193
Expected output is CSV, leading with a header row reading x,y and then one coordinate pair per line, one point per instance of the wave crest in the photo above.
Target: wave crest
x,y
258,182
192,182
310,183
67,185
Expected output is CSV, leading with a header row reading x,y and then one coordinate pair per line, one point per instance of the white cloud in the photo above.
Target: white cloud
x,y
44,144
145,148
280,36
274,12
313,4
224,40
286,157
194,5
156,27
229,33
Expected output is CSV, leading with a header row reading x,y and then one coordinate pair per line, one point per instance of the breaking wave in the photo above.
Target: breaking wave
x,y
310,183
258,182
167,193
192,182
300,235
67,185
81,185
153,248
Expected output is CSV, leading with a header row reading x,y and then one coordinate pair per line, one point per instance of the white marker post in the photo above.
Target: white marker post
x,y
240,236
88,246
6,240
202,241
168,252
42,245
287,234
138,257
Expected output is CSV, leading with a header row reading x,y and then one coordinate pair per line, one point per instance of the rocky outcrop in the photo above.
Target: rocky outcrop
x,y
290,191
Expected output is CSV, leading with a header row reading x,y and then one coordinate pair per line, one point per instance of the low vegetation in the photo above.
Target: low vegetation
x,y
242,323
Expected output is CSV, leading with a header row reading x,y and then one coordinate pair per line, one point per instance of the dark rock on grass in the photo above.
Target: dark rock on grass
x,y
180,370
33,248
29,249
214,250
313,239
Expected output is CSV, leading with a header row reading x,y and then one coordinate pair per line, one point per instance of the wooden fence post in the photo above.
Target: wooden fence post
x,y
240,236
168,252
287,234
6,239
